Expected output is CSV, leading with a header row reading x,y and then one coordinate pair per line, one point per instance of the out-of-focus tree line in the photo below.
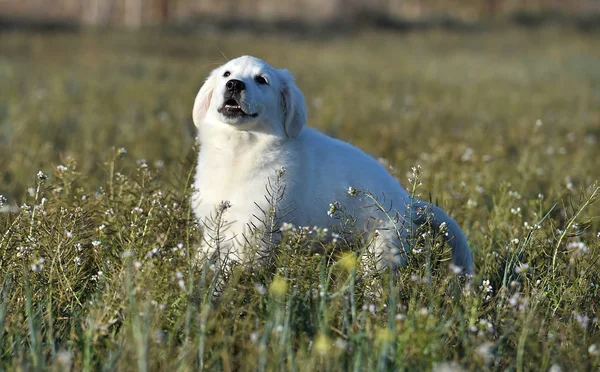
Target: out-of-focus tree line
x,y
135,13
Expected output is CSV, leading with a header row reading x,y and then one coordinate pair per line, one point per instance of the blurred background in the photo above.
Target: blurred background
x,y
455,85
136,13
498,101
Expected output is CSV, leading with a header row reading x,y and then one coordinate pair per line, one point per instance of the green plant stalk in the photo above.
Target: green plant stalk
x,y
572,220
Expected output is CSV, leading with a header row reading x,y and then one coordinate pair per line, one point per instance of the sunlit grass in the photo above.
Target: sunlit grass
x,y
99,252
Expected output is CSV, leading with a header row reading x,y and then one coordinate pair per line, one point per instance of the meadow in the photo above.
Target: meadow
x,y
99,262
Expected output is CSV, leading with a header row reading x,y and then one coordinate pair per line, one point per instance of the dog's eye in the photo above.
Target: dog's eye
x,y
261,80
227,73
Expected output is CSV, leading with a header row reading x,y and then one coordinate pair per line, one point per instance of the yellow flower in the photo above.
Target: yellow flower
x,y
278,287
322,344
348,262
384,335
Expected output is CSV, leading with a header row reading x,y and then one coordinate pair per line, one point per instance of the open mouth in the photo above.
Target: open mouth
x,y
231,108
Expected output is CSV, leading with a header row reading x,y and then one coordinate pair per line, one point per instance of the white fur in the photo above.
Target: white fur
x,y
239,156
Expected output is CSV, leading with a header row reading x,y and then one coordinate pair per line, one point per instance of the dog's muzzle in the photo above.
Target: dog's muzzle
x,y
231,106
232,109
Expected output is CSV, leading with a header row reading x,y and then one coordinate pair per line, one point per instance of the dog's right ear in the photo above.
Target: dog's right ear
x,y
293,106
202,102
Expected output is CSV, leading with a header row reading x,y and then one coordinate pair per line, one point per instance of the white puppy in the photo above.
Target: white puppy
x,y
251,124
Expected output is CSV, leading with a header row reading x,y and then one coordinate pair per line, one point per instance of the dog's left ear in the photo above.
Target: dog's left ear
x,y
202,102
292,105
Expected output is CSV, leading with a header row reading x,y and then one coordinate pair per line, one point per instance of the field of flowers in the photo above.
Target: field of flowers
x,y
99,263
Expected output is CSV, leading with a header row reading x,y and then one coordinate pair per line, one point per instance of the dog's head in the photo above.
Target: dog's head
x,y
248,94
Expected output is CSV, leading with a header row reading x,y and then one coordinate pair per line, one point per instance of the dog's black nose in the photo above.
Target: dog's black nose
x,y
235,86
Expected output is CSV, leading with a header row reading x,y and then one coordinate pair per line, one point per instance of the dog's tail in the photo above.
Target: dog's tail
x,y
435,216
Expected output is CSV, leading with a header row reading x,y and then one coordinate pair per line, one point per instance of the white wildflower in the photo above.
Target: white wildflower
x,y
485,351
522,268
514,194
223,206
578,248
517,301
569,183
341,344
333,208
467,155
555,368
582,319
38,264
64,359
487,289
446,367
335,237
455,269
486,325
121,152
137,210
286,226
254,337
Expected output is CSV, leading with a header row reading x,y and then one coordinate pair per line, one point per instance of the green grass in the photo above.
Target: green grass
x,y
98,265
